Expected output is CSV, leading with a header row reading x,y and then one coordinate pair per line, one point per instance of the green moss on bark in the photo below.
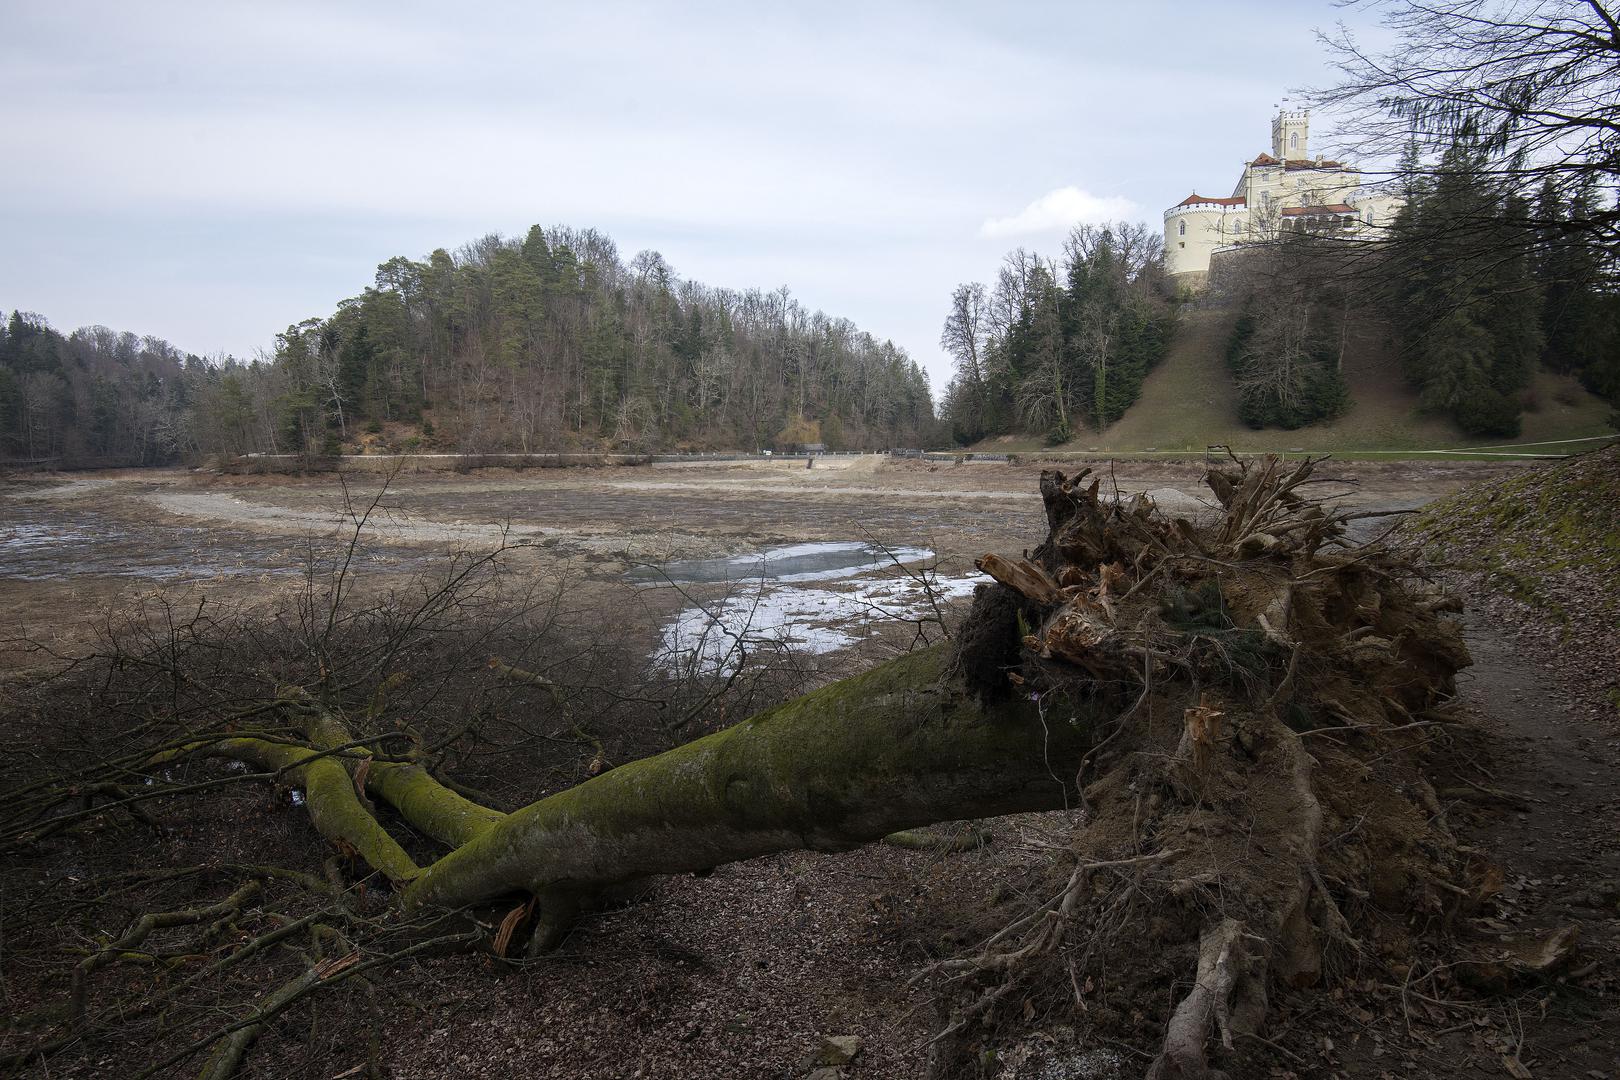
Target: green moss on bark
x,y
898,747
334,805
429,805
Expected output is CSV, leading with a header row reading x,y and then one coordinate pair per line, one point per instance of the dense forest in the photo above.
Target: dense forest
x,y
97,396
552,343
1058,346
1480,283
547,343
1485,282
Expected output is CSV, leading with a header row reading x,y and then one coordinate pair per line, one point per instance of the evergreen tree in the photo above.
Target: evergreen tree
x,y
1513,305
1467,316
1055,356
1577,317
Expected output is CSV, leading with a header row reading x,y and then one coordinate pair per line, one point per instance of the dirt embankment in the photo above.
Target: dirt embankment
x,y
1540,552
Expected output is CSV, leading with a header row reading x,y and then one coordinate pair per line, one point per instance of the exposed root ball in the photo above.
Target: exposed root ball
x,y
1270,679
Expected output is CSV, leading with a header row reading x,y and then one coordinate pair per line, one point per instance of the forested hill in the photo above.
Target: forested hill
x,y
552,342
546,343
97,396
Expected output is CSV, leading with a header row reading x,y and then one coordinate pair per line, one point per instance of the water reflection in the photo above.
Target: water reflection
x,y
772,604
797,562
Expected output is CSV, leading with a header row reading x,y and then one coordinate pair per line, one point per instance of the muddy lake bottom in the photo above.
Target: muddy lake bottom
x,y
681,537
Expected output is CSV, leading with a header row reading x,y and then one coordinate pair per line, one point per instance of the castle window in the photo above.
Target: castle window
x,y
1293,141
1182,228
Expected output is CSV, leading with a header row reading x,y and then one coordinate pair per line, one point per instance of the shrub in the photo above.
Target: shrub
x,y
1490,413
1315,388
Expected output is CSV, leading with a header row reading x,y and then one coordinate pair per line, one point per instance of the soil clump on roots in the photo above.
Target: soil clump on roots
x,y
1257,813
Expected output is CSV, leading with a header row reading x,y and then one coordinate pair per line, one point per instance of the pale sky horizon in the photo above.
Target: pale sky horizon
x,y
211,174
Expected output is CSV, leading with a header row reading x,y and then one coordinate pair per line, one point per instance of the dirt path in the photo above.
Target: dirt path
x,y
1556,837
1560,847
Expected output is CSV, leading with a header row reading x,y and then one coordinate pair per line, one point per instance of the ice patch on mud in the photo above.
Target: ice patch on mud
x,y
29,539
823,561
716,639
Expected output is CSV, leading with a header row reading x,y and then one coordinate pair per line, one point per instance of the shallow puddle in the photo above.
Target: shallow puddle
x,y
770,608
718,638
797,562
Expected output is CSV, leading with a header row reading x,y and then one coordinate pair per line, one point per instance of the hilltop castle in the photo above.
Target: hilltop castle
x,y
1285,190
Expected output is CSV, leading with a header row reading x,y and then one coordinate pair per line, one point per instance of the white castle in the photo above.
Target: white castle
x,y
1285,190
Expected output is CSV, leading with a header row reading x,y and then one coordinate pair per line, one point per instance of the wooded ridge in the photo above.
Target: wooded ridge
x,y
547,343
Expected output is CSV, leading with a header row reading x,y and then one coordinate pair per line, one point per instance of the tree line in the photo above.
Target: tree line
x,y
546,343
551,342
1058,346
1485,282
95,396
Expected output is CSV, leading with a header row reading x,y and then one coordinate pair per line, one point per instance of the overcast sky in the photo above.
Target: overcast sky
x,y
210,173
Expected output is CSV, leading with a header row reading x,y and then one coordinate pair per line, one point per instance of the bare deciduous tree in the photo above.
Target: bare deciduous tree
x,y
1535,82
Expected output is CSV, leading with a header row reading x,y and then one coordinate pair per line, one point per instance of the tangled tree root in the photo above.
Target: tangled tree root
x,y
1266,673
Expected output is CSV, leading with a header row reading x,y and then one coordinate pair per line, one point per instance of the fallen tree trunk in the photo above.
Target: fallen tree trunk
x,y
901,746
904,745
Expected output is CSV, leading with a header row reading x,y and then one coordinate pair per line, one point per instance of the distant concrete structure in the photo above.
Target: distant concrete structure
x,y
1284,191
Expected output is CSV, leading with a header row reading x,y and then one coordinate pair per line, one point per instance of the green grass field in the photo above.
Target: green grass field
x,y
1188,402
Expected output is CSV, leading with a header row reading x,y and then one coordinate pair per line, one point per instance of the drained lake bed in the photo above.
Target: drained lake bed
x,y
698,562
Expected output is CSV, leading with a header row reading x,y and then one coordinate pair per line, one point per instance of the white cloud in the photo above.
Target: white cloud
x,y
1058,210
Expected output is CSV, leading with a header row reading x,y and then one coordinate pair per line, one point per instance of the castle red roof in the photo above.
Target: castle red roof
x,y
1236,200
1303,211
1296,164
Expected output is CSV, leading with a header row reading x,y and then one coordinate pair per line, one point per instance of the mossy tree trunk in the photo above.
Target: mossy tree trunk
x,y
900,746
903,745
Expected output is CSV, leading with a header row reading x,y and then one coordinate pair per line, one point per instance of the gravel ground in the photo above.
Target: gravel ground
x,y
742,973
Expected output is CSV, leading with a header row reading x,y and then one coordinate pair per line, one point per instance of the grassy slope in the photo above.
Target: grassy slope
x,y
1549,536
1188,402
1557,515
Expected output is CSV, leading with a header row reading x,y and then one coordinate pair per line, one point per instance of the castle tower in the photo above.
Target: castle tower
x,y
1290,129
